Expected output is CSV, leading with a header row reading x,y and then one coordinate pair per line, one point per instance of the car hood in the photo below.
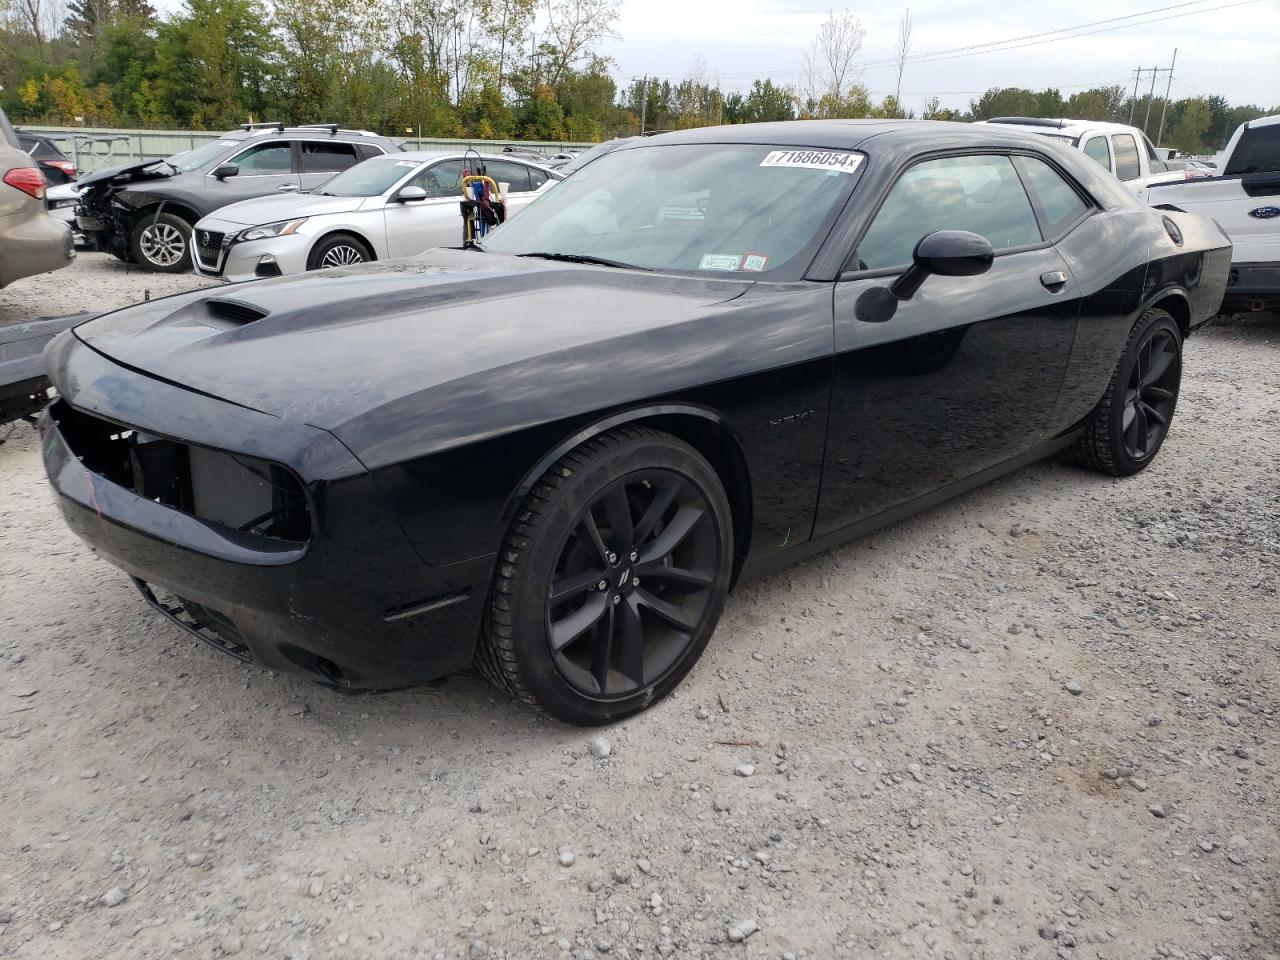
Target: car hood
x,y
326,348
288,207
129,168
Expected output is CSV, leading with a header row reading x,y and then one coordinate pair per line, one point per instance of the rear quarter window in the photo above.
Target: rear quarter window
x,y
1056,201
1128,166
7,133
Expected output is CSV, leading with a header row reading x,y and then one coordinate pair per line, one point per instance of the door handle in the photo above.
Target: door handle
x,y
1054,280
286,187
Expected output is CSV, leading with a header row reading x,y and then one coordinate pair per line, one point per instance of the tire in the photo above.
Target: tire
x,y
161,244
596,655
1129,425
340,250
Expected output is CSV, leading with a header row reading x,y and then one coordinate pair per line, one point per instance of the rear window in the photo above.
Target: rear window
x,y
1257,151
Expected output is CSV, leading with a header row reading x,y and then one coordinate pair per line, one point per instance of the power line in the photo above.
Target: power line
x,y
1016,43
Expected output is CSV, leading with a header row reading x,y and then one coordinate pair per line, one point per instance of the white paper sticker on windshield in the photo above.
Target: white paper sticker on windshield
x,y
720,261
839,161
754,262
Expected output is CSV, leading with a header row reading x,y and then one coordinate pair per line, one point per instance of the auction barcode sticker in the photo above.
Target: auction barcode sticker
x,y
836,160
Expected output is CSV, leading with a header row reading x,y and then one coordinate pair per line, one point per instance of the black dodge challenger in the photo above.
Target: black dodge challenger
x,y
702,356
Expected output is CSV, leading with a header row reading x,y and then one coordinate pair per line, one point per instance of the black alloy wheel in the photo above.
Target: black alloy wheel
x,y
1132,420
1151,393
611,579
632,584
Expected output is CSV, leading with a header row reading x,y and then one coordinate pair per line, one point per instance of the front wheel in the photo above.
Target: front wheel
x,y
1130,423
161,243
611,580
339,250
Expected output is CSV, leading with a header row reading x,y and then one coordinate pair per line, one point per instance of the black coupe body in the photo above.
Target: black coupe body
x,y
557,468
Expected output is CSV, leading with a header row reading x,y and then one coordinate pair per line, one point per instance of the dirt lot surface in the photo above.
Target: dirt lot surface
x,y
1040,721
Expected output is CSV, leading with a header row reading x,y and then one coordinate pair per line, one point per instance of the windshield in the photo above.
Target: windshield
x,y
595,153
202,155
706,208
369,179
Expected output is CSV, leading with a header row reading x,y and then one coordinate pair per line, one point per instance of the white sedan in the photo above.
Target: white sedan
x,y
393,206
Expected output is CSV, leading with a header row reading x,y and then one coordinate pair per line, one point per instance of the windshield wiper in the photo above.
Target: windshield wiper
x,y
583,258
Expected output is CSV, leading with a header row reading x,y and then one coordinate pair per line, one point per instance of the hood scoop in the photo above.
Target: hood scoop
x,y
234,313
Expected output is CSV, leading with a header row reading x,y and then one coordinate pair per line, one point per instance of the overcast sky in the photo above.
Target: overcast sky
x,y
1233,51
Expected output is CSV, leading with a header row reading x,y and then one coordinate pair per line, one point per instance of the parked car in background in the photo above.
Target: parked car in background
x,y
61,202
394,206
1244,198
144,212
31,241
1122,149
57,167
553,455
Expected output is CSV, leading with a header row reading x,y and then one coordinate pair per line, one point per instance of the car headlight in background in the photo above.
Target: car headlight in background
x,y
284,228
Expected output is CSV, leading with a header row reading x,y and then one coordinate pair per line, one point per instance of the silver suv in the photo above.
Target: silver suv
x,y
31,241
144,212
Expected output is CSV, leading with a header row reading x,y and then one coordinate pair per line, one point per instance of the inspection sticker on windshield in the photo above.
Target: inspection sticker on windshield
x,y
813,160
720,261
754,262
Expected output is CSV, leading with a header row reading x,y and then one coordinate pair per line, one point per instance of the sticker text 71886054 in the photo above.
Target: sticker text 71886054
x,y
837,160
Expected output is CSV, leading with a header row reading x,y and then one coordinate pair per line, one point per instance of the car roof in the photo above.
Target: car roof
x,y
906,135
422,156
1061,125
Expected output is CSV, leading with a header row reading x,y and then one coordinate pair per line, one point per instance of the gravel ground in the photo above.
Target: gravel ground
x,y
1039,721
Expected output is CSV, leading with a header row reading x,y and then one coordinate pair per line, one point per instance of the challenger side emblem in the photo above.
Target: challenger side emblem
x,y
1264,213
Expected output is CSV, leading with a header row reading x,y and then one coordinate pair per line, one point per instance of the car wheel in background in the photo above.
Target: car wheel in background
x,y
161,243
339,250
1127,428
611,580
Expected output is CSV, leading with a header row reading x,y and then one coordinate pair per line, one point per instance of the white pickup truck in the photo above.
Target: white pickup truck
x,y
1244,198
1122,149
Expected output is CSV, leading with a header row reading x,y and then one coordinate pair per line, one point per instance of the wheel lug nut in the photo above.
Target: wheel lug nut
x,y
617,599
613,558
635,555
635,581
602,585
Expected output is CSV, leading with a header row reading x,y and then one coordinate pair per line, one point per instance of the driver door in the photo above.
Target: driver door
x,y
963,376
265,168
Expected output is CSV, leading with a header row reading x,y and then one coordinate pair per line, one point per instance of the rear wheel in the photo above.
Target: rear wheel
x,y
340,250
612,578
161,243
1130,423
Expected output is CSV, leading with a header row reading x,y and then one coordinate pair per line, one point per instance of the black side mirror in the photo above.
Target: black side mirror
x,y
948,253
226,170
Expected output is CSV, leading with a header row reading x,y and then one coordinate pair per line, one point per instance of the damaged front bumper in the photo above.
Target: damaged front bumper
x,y
267,539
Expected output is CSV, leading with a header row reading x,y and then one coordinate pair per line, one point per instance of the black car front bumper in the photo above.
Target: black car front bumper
x,y
342,597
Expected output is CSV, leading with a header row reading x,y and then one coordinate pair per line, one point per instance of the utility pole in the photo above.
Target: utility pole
x,y
1168,87
1151,96
644,100
1133,101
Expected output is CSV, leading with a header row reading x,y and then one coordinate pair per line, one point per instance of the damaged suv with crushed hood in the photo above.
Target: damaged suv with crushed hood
x,y
144,212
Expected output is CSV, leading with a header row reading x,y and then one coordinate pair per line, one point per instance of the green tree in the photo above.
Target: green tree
x,y
1190,130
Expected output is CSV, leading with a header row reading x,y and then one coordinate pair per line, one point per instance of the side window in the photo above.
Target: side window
x,y
265,159
1128,167
982,194
536,178
443,179
327,157
1096,147
1055,200
515,175
367,150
